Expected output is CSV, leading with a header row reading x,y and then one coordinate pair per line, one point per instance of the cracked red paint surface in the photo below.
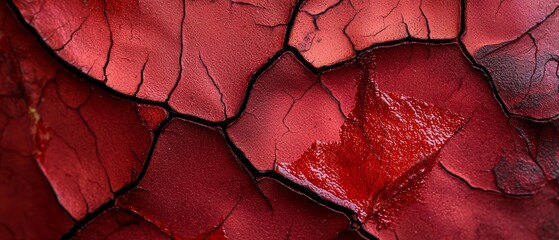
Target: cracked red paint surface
x,y
355,25
286,119
155,51
283,104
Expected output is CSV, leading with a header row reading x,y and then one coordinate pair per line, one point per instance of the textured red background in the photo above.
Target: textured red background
x,y
255,119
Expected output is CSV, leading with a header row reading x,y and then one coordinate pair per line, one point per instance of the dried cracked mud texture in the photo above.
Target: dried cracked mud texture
x,y
279,119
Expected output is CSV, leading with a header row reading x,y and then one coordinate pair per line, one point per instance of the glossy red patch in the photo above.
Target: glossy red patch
x,y
387,145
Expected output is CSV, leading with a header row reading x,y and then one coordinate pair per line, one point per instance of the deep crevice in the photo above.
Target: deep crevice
x,y
294,12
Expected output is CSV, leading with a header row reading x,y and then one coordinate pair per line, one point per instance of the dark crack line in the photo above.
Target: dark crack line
x,y
365,234
71,36
325,10
377,32
96,142
179,75
268,202
215,85
407,40
464,181
224,219
391,10
111,41
142,77
38,11
456,90
75,178
248,90
80,161
535,44
269,26
248,4
408,34
499,7
274,164
344,31
407,63
293,102
426,19
333,98
294,12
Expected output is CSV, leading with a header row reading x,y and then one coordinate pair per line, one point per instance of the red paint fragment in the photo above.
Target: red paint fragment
x,y
194,184
152,115
387,145
330,32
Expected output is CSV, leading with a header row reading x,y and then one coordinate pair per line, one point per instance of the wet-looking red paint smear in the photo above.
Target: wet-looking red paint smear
x,y
387,145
